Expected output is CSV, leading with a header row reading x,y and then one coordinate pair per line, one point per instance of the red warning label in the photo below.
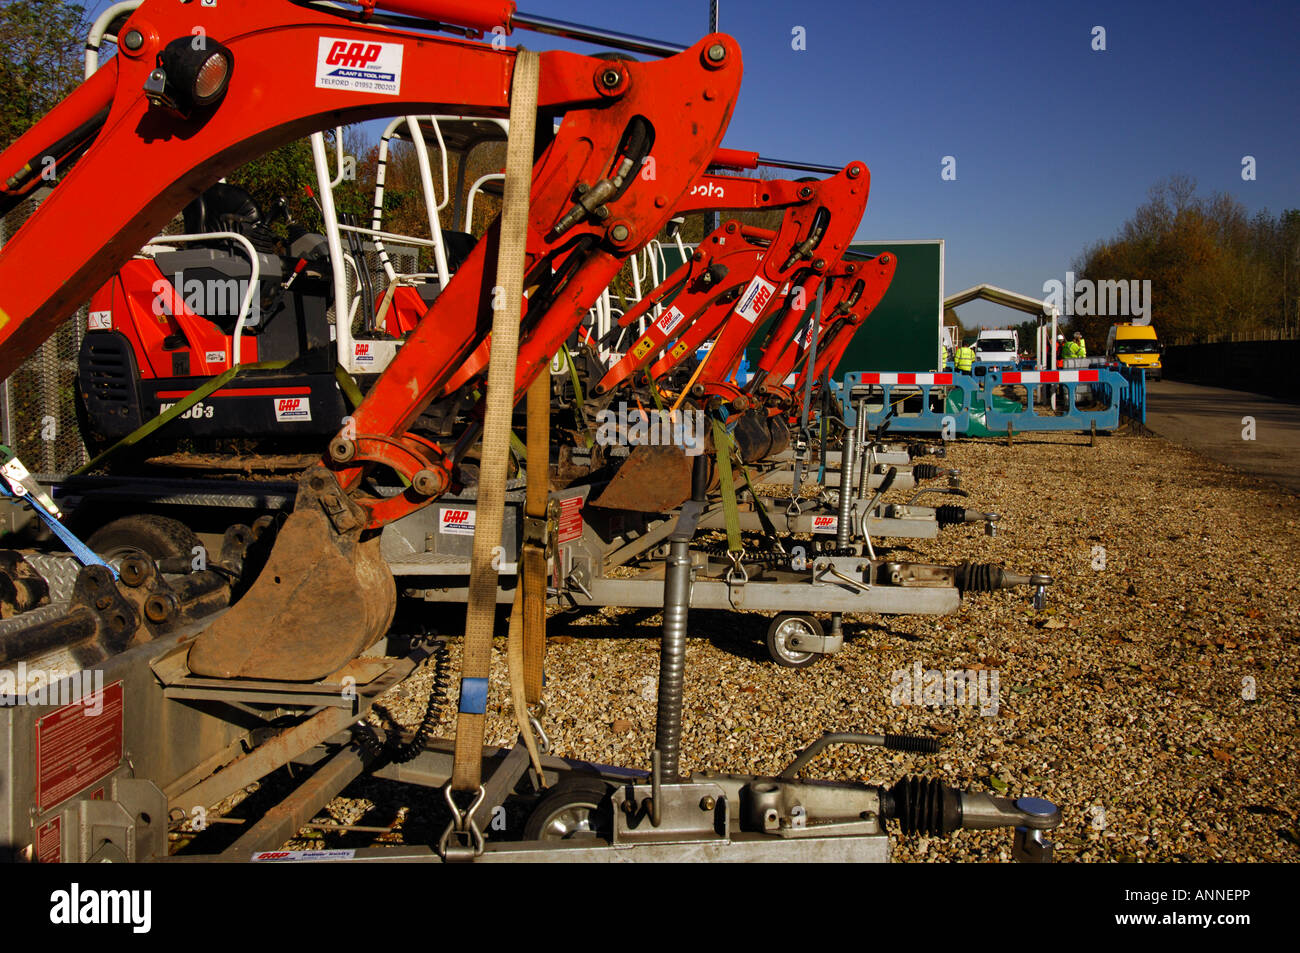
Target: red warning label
x,y
570,522
77,745
49,845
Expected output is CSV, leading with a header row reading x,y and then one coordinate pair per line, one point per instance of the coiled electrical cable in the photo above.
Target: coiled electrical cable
x,y
401,753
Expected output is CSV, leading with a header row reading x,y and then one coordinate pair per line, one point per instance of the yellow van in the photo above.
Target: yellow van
x,y
1135,345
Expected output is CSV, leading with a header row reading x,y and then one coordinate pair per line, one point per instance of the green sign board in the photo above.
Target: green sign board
x,y
902,332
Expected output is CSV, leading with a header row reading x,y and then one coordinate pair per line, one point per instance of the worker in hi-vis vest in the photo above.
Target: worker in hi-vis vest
x,y
964,358
943,356
1080,347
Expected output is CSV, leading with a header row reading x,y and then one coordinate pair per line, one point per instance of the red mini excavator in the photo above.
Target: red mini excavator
x,y
168,321
229,292
197,90
168,116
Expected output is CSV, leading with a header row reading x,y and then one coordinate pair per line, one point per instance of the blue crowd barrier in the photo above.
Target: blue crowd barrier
x,y
928,419
1069,417
1133,395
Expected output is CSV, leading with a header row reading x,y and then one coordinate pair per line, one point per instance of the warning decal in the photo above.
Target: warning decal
x,y
570,522
49,846
75,748
100,321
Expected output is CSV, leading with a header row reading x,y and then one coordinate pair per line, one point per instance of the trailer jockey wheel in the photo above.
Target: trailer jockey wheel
x,y
782,630
577,808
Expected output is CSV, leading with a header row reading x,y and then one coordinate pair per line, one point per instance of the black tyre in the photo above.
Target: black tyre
x,y
778,639
577,808
158,537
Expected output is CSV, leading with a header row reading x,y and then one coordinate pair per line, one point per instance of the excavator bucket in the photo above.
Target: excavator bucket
x,y
652,479
322,598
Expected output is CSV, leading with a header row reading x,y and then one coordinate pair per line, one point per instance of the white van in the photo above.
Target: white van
x,y
997,347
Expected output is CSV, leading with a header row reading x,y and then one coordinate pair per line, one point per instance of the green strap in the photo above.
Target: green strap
x,y
731,513
764,520
175,410
573,376
577,392
348,386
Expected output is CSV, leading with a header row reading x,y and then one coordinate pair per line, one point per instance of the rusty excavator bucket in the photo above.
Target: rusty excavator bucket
x,y
651,479
324,596
657,478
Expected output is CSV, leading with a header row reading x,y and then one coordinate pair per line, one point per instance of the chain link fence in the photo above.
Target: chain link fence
x,y
38,416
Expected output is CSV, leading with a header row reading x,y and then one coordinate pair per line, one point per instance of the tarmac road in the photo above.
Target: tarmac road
x,y
1209,421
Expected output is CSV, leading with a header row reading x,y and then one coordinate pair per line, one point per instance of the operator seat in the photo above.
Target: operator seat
x,y
228,208
458,245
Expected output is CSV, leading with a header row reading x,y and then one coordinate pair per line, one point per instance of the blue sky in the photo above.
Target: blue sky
x,y
1055,144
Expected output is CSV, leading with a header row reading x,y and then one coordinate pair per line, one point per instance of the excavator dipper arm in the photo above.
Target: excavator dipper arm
x,y
875,278
853,288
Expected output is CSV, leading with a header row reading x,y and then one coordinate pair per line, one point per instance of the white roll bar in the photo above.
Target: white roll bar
x,y
329,214
430,197
99,32
474,190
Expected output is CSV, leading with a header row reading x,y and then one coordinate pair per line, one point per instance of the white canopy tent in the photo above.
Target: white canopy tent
x,y
1045,350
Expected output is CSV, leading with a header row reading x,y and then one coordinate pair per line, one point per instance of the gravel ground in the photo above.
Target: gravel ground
x,y
1128,701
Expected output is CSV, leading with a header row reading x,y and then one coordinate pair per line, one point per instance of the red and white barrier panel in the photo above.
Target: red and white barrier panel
x,y
1049,377
900,378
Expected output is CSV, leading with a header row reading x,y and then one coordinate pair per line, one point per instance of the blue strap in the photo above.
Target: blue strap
x,y
75,546
473,696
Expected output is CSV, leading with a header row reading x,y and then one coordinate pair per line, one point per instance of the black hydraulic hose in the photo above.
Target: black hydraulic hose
x,y
364,286
58,150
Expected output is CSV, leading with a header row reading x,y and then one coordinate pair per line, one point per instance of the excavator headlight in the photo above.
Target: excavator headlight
x,y
210,82
192,72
